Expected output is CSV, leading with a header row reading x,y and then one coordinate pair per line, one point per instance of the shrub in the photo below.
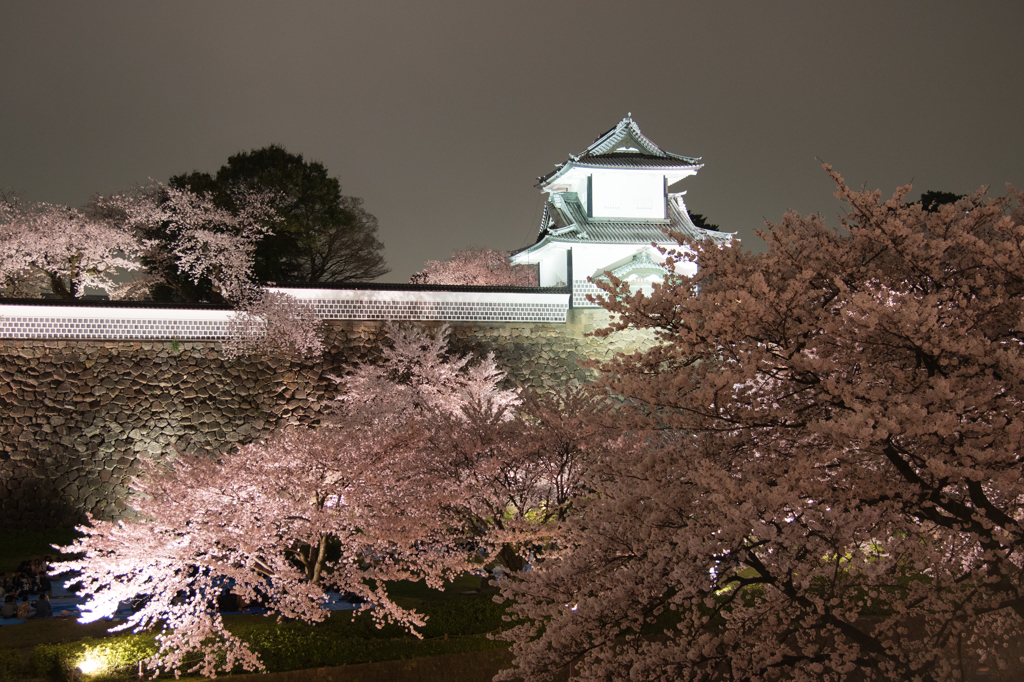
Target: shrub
x,y
116,657
10,664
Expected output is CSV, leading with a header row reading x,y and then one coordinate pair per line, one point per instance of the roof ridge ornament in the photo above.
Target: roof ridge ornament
x,y
627,137
625,147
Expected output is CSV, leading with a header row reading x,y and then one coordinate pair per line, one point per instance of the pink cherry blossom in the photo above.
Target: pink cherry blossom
x,y
479,267
68,250
271,322
208,241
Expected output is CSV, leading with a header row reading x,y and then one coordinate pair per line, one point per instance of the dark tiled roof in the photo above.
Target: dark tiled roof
x,y
361,286
544,178
405,286
627,135
607,151
567,209
624,160
611,233
106,303
569,223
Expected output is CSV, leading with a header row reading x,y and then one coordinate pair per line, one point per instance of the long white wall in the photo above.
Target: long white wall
x,y
41,321
451,306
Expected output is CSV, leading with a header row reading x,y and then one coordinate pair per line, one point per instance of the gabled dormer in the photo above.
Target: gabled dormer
x,y
621,176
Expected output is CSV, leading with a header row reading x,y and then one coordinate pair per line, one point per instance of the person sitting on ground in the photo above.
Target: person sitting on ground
x,y
23,576
44,577
25,610
10,608
43,607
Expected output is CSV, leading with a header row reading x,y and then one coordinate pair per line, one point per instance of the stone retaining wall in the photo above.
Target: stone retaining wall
x,y
76,415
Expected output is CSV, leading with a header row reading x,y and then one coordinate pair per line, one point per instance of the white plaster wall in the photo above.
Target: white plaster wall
x,y
628,194
553,271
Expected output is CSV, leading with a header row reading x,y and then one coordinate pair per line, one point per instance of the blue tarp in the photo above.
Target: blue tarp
x,y
65,604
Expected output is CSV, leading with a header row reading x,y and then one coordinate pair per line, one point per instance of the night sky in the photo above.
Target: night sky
x,y
442,114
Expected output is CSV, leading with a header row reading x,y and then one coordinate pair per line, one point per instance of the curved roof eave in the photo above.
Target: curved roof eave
x,y
548,240
564,168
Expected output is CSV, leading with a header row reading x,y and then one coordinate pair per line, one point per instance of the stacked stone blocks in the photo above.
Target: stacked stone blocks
x,y
78,416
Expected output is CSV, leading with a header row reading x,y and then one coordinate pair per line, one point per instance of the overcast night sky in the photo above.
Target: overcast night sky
x,y
442,114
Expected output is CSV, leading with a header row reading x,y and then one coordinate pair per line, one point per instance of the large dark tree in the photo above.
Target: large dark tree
x,y
932,200
700,220
322,236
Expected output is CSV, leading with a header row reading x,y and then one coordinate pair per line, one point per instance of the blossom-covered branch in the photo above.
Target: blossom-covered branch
x,y
272,322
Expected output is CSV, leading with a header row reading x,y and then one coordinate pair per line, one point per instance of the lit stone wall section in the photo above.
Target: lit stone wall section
x,y
77,416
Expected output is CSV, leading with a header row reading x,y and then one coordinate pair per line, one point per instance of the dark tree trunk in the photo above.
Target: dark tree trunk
x,y
511,559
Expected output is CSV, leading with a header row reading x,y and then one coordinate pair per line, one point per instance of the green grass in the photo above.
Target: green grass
x,y
477,666
455,627
413,594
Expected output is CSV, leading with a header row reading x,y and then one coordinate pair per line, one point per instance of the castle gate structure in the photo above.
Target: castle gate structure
x,y
89,388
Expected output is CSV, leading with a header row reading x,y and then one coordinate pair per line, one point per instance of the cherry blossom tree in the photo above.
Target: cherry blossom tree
x,y
416,375
321,235
277,523
214,247
344,506
517,479
188,238
477,267
64,248
503,468
18,283
821,477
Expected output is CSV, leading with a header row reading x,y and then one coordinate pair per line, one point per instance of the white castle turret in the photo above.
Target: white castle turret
x,y
604,209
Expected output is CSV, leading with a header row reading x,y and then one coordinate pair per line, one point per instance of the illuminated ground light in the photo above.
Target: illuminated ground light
x,y
93,662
